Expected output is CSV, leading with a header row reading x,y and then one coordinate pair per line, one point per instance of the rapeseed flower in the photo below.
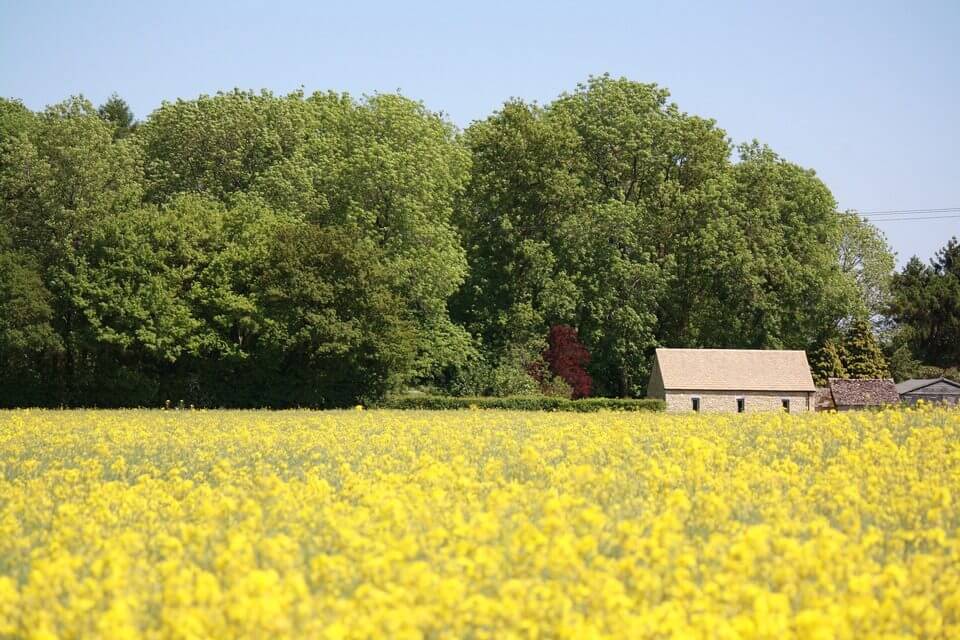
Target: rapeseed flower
x,y
360,523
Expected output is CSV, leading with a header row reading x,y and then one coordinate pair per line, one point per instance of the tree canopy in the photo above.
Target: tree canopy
x,y
926,304
614,212
249,249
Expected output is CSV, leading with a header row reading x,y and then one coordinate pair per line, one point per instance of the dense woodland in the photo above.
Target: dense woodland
x,y
247,249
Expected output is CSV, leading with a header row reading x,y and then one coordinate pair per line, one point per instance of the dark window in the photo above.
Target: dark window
x,y
741,405
696,403
786,404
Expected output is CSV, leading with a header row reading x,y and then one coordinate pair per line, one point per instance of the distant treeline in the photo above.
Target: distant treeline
x,y
246,249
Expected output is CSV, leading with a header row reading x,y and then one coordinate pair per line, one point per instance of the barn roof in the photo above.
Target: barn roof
x,y
734,370
918,383
863,393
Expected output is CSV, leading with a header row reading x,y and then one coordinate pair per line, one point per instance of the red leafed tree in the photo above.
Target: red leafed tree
x,y
567,358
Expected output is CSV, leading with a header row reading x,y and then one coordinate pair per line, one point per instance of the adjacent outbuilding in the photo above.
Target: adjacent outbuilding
x,y
823,399
732,380
847,395
938,390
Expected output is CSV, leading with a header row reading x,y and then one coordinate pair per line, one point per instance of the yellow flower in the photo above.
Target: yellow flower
x,y
481,524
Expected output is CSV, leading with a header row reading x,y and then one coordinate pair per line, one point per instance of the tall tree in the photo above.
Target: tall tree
x,y
862,356
219,145
118,114
385,167
867,261
827,362
59,176
613,211
518,194
392,171
926,305
791,289
27,337
334,330
15,119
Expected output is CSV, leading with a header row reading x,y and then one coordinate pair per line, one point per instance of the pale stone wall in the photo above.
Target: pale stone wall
x,y
725,401
655,386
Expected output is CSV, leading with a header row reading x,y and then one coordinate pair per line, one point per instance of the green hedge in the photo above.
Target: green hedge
x,y
617,404
521,403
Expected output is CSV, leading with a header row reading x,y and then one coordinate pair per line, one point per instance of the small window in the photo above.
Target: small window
x,y
786,404
695,402
741,405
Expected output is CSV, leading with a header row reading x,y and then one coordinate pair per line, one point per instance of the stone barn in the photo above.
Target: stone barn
x,y
732,380
938,390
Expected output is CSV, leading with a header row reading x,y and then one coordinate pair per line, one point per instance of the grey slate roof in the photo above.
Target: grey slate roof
x,y
734,370
863,393
918,383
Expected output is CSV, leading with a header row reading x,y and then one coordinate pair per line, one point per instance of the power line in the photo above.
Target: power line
x,y
917,219
906,212
897,212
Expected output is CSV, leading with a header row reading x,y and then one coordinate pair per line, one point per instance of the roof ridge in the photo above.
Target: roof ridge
x,y
730,349
915,384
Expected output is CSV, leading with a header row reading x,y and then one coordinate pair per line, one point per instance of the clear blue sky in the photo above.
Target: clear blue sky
x,y
866,93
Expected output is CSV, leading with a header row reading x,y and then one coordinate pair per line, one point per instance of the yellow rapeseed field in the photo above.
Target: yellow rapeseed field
x,y
362,524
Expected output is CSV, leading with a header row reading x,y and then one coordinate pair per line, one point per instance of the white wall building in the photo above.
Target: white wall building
x,y
732,380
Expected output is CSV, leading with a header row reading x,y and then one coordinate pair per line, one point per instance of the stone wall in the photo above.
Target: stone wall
x,y
723,401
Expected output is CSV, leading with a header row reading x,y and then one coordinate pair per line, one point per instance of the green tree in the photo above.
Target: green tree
x,y
564,220
827,362
867,261
392,171
118,114
15,119
903,365
27,338
330,315
251,249
518,194
613,211
926,306
618,285
862,356
169,281
218,145
791,289
58,176
384,167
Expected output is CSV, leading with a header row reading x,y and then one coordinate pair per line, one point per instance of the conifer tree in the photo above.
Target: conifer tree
x,y
827,362
117,112
863,358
